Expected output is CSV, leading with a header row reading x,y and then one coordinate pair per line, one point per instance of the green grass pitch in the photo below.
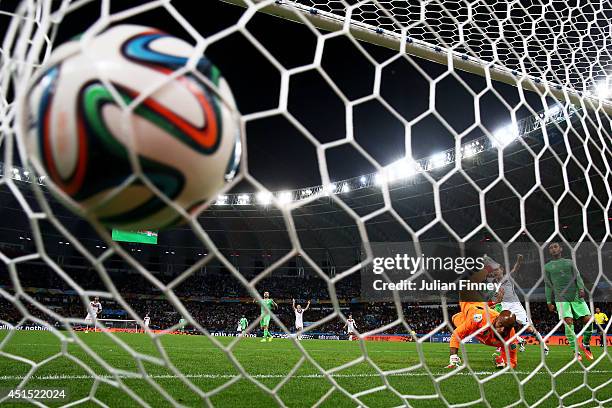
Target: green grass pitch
x,y
209,366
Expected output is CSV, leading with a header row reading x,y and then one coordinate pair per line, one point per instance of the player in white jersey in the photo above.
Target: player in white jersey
x,y
147,321
509,300
350,327
299,318
95,307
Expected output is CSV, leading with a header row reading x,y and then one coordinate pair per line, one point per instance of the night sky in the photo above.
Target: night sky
x,y
279,155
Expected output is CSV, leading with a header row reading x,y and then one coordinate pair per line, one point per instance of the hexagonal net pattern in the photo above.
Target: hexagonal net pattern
x,y
559,50
563,43
559,47
515,27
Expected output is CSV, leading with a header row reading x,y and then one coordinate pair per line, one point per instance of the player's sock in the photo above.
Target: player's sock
x,y
455,361
588,332
586,342
500,362
266,333
522,343
570,336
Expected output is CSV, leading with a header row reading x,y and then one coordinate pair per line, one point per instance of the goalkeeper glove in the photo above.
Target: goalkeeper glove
x,y
455,361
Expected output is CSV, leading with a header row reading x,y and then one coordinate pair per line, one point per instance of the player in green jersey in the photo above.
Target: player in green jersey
x,y
563,280
242,325
266,305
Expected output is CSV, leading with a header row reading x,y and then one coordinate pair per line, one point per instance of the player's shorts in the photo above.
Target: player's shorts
x,y
456,319
518,310
265,321
574,310
88,319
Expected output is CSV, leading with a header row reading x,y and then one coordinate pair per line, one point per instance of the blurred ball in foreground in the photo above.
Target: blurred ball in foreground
x,y
183,133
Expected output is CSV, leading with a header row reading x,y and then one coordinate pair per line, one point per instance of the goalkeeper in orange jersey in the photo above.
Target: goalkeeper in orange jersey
x,y
477,317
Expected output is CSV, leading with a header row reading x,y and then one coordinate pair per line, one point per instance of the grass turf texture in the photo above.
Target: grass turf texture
x,y
209,368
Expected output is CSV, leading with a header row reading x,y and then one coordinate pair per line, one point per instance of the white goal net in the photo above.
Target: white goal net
x,y
470,122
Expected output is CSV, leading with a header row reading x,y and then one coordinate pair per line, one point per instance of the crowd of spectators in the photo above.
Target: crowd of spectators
x,y
224,316
216,302
211,285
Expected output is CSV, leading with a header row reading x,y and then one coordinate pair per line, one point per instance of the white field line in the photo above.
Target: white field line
x,y
267,349
61,377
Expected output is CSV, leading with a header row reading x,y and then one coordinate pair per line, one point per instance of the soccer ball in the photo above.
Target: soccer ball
x,y
83,130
